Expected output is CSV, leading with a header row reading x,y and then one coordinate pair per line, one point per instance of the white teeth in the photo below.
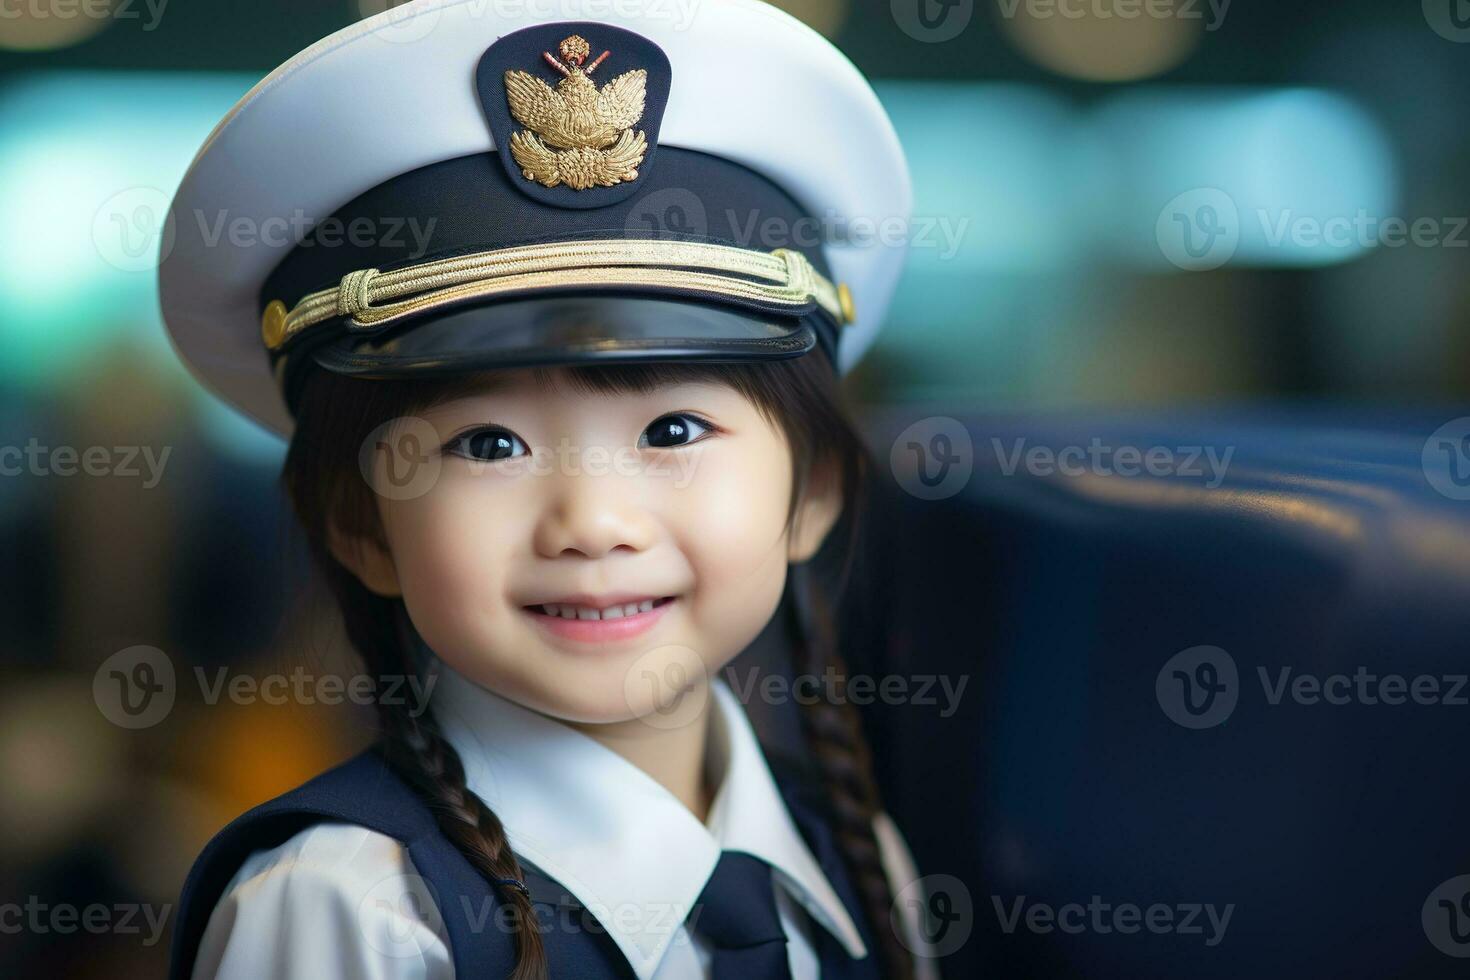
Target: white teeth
x,y
583,612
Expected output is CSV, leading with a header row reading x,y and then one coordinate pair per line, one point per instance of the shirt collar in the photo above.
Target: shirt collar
x,y
619,842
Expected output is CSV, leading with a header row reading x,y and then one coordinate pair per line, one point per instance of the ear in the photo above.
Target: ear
x,y
816,513
368,558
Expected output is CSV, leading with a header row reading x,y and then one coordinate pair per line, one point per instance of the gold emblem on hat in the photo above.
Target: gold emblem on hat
x,y
577,134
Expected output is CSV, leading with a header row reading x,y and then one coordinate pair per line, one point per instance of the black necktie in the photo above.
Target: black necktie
x,y
737,914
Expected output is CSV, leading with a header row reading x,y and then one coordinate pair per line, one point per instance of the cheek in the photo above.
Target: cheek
x,y
451,549
735,506
732,521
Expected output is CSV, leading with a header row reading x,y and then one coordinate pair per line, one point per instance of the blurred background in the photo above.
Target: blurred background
x,y
1207,205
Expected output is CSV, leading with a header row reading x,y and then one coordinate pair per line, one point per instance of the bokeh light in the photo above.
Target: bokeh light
x,y
1101,41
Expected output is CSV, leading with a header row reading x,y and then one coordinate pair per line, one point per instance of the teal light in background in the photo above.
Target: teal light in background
x,y
90,162
231,433
1018,181
997,236
991,164
1282,177
1045,210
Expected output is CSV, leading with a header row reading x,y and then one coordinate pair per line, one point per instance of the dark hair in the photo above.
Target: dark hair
x,y
801,395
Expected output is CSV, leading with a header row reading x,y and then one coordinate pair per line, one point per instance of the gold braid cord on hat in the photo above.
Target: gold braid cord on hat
x,y
781,280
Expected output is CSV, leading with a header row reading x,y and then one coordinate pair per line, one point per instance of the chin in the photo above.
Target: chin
x,y
583,704
653,685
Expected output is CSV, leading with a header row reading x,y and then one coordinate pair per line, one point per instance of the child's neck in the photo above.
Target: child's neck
x,y
675,757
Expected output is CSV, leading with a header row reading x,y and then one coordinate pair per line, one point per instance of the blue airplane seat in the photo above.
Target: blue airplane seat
x,y
1176,679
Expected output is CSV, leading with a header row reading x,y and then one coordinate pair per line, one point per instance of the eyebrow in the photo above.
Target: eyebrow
x,y
468,386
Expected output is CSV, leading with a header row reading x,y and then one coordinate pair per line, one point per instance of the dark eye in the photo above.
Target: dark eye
x,y
672,431
485,444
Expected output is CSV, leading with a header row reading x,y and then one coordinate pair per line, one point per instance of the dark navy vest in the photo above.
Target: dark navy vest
x,y
367,792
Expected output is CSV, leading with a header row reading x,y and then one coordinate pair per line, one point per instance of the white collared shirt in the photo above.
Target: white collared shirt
x,y
340,902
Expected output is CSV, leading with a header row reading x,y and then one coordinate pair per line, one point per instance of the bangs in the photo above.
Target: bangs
x,y
768,385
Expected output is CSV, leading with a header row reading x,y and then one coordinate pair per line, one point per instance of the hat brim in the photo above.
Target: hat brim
x,y
567,330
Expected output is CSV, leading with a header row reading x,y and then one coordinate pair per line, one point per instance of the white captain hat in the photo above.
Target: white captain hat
x,y
452,186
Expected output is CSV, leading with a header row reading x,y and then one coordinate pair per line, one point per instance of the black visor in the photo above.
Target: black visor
x,y
580,329
469,205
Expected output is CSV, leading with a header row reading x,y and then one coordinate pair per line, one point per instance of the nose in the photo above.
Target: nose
x,y
593,516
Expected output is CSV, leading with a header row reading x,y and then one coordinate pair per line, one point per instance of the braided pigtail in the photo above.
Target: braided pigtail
x,y
420,754
835,739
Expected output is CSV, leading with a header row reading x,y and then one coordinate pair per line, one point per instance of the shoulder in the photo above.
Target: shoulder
x,y
341,858
337,820
335,900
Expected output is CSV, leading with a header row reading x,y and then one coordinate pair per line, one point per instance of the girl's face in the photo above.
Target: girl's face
x,y
545,495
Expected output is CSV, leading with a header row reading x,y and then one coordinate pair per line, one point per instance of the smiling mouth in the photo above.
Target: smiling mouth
x,y
612,624
621,610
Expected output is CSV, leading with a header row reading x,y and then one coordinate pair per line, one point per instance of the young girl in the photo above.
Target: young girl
x,y
561,458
